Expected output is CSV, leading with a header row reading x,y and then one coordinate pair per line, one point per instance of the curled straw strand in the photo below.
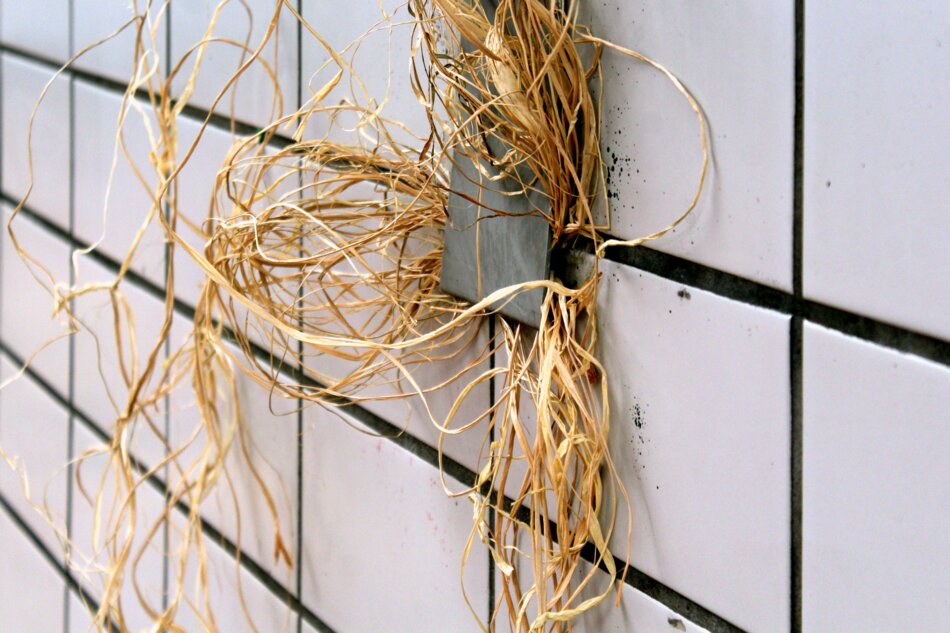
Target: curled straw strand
x,y
329,252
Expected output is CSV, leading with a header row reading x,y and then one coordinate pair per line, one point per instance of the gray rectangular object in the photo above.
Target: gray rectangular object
x,y
513,248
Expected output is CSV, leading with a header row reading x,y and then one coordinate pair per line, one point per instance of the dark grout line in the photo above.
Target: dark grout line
x,y
215,120
697,275
253,567
166,536
795,478
759,295
796,327
71,583
634,578
491,439
667,266
298,553
366,417
71,345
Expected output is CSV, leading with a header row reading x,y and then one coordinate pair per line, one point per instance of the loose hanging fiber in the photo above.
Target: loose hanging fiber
x,y
332,252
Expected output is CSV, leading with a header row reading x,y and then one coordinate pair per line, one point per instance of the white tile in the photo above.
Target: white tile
x,y
95,20
23,83
27,323
239,602
34,431
31,597
48,36
737,59
876,504
378,527
253,100
636,612
112,203
239,506
90,553
699,401
102,383
875,228
374,38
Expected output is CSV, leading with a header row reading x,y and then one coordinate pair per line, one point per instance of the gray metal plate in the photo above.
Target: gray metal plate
x,y
512,249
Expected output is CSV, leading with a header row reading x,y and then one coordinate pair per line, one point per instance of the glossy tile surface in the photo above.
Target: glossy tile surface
x,y
48,37
90,550
228,585
699,400
28,324
33,596
255,99
107,29
115,180
34,433
48,141
374,39
366,502
875,222
105,379
876,505
737,59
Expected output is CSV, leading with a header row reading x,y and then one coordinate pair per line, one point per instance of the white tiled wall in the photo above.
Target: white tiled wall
x,y
704,382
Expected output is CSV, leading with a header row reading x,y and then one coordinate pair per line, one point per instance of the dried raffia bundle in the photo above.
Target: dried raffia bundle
x,y
328,254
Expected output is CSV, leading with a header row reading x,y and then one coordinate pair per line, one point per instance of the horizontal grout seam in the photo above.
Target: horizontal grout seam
x,y
736,288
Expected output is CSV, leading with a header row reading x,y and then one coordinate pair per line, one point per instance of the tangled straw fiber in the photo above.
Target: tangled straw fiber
x,y
330,250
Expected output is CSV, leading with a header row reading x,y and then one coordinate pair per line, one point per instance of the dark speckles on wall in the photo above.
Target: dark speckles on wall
x,y
684,294
637,440
620,169
676,624
637,416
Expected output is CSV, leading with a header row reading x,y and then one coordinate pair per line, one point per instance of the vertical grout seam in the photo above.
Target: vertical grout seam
x,y
491,440
298,550
71,345
169,267
796,329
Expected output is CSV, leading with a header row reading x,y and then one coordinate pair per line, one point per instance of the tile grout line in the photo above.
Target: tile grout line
x,y
71,346
491,439
169,269
670,267
796,343
298,553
